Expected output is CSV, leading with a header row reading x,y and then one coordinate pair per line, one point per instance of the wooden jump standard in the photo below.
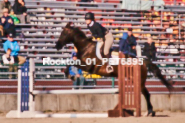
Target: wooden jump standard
x,y
129,90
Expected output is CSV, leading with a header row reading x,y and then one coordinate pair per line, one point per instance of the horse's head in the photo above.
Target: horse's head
x,y
65,36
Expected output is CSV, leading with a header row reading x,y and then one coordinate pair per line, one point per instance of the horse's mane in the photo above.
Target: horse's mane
x,y
81,33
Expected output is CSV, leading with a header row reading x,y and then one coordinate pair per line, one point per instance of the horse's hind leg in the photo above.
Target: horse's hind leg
x,y
145,91
149,105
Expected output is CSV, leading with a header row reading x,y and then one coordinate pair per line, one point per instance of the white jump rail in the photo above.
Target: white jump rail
x,y
83,91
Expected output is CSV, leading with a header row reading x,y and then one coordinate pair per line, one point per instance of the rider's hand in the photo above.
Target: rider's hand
x,y
94,39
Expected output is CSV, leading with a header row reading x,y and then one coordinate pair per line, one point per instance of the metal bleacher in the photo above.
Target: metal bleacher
x,y
48,18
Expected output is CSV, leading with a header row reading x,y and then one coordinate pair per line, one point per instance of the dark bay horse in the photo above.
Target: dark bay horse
x,y
87,49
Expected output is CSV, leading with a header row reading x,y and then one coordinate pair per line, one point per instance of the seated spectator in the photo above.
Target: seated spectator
x,y
9,60
5,4
15,18
14,46
124,45
150,50
20,10
132,41
76,74
7,23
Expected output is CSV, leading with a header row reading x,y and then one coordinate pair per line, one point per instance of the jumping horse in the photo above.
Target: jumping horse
x,y
87,49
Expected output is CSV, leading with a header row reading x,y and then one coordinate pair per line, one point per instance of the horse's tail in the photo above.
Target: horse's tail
x,y
157,72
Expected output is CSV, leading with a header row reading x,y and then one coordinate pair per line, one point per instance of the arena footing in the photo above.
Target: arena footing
x,y
37,114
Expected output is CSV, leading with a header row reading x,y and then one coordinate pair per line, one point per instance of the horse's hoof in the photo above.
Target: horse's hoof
x,y
146,114
149,113
153,114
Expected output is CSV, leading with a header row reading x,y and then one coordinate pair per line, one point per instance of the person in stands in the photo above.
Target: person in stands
x,y
14,46
124,45
132,42
7,23
150,50
20,10
76,74
9,60
5,4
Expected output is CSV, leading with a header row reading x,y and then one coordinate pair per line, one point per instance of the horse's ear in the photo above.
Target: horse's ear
x,y
68,25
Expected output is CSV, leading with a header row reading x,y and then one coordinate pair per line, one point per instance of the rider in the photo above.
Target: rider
x,y
98,31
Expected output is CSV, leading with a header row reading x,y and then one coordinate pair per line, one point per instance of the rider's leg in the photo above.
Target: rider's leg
x,y
107,45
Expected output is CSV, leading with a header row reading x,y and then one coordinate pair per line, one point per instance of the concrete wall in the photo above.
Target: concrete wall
x,y
89,102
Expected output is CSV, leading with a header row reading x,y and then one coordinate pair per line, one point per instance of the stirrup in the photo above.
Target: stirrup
x,y
109,69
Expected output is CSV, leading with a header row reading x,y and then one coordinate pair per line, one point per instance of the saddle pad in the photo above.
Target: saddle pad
x,y
114,54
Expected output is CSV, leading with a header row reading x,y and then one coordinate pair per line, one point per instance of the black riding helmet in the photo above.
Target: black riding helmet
x,y
89,16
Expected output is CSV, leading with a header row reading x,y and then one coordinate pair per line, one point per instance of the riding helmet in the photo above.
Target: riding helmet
x,y
89,16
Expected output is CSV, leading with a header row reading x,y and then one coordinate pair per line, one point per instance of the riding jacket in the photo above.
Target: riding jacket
x,y
97,30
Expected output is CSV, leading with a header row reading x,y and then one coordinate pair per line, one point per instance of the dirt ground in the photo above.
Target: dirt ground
x,y
161,117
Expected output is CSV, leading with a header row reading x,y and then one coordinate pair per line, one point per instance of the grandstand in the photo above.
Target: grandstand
x,y
49,17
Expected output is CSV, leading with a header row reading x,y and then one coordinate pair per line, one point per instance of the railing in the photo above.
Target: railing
x,y
169,2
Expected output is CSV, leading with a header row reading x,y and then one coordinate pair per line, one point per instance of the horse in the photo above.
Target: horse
x,y
86,48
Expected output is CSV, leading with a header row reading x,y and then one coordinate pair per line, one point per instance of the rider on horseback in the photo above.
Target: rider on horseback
x,y
98,31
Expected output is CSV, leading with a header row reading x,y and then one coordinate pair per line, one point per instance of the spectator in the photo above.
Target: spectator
x,y
124,45
76,74
9,60
5,4
7,23
20,10
15,18
150,50
14,46
132,42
